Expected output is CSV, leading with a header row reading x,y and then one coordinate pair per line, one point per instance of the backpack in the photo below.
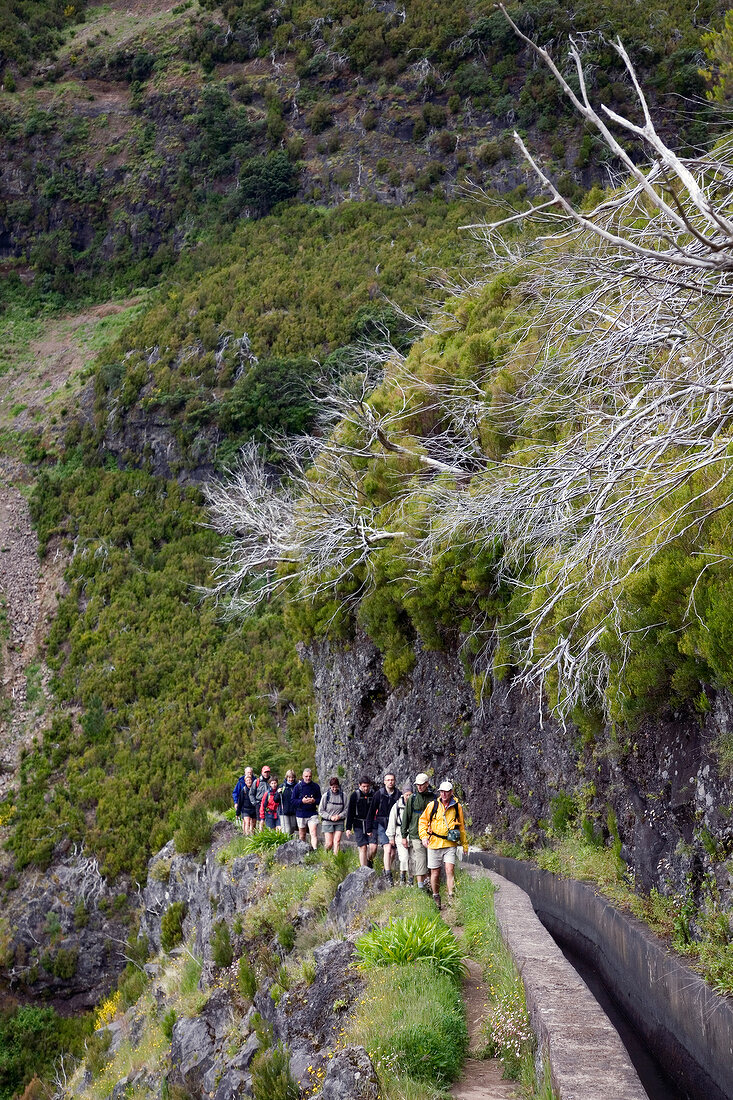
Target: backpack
x,y
270,804
363,802
340,801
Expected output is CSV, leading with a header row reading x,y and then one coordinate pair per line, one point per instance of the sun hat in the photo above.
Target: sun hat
x,y
421,778
446,785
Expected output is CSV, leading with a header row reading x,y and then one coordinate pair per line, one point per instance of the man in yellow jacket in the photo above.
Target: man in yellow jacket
x,y
441,828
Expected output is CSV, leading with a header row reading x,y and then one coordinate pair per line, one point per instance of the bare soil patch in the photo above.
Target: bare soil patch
x,y
43,376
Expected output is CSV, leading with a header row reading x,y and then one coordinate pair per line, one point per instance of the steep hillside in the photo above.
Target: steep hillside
x,y
275,194
152,122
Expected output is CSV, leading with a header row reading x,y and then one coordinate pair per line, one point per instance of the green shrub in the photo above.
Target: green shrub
x,y
246,979
132,985
320,118
97,1051
161,870
407,940
65,962
194,832
267,840
286,936
221,944
171,926
31,1040
563,811
168,1023
271,1077
191,974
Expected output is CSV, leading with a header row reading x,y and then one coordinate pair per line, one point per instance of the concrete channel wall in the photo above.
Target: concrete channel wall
x,y
687,1026
587,1059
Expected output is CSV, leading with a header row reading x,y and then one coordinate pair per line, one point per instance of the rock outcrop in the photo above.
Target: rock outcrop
x,y
65,934
511,761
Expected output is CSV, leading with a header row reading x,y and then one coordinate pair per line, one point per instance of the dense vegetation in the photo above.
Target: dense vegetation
x,y
221,111
160,722
246,329
30,29
262,302
31,1039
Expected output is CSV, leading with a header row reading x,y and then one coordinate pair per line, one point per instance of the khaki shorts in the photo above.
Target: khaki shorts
x,y
438,856
407,863
420,855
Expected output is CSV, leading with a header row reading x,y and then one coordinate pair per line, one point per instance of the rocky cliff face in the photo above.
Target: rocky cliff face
x,y
217,1033
63,934
511,759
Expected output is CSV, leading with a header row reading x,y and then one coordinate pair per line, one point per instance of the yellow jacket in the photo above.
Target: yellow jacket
x,y
435,831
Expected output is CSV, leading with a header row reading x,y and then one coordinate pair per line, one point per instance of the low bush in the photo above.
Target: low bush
x,y
194,832
31,1040
221,944
412,939
246,979
266,841
171,926
168,1023
271,1076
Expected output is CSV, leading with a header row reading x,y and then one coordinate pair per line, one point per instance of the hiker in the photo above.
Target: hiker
x,y
423,796
382,802
332,810
287,824
442,826
394,832
270,805
245,806
356,820
306,799
261,787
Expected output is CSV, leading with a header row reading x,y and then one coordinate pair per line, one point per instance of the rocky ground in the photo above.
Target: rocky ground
x,y
42,374
24,600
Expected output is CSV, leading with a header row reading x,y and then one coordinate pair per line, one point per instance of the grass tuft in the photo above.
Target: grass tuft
x,y
412,939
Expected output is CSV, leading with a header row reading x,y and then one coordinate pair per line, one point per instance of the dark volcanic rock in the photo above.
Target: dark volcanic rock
x,y
351,1074
292,852
67,933
353,893
210,891
198,1053
510,759
308,1020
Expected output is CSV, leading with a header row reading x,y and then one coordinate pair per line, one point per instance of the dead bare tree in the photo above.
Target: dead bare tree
x,y
631,382
633,386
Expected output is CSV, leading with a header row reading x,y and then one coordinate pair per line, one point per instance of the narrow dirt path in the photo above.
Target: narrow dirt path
x,y
481,1078
24,601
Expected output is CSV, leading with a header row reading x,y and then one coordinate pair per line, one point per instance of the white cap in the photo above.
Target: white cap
x,y
421,778
446,785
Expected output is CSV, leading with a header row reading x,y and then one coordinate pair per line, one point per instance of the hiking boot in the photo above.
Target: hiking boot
x,y
387,876
411,881
403,878
436,899
449,900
